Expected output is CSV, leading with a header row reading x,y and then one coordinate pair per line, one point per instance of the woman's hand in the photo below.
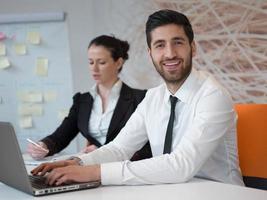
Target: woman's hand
x,y
89,148
36,152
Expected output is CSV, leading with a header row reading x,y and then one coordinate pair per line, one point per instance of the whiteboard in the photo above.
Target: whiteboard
x,y
24,80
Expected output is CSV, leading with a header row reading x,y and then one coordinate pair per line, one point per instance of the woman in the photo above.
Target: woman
x,y
100,114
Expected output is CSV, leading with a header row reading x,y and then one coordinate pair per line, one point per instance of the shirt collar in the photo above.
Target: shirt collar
x,y
187,89
115,91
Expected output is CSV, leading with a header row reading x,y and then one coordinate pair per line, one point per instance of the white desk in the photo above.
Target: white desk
x,y
194,190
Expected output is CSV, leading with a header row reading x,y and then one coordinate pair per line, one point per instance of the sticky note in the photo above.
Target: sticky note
x,y
24,110
34,109
37,110
20,49
2,49
41,68
50,96
2,36
33,37
4,63
62,114
25,122
30,97
35,97
22,96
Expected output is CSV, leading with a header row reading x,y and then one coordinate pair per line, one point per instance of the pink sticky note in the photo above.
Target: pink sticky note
x,y
2,36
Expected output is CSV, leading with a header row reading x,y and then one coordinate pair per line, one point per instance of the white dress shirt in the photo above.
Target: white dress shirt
x,y
99,121
204,138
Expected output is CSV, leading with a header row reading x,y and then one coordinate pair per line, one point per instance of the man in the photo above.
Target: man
x,y
201,135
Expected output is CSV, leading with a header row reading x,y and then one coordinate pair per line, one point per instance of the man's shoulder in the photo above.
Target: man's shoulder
x,y
212,90
158,89
156,93
211,84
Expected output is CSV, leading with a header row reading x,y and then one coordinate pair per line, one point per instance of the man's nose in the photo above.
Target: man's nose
x,y
170,52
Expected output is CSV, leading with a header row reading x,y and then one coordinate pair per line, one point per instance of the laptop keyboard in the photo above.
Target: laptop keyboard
x,y
38,182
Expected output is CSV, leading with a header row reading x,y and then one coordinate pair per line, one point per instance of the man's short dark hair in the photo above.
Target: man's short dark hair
x,y
165,17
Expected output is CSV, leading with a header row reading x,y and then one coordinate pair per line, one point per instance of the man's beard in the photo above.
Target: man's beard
x,y
179,77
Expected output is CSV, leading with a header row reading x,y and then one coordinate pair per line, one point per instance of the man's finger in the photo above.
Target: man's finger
x,y
54,176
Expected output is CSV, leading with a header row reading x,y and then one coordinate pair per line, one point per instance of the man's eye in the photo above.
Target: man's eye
x,y
178,42
159,46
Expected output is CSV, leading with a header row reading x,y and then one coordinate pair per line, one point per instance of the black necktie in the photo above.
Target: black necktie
x,y
168,137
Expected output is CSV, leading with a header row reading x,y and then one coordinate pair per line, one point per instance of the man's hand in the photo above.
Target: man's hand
x,y
48,167
73,173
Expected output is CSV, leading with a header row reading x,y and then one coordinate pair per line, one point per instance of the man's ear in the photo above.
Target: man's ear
x,y
194,48
149,51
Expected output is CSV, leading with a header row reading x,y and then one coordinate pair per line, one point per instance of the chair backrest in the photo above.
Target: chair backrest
x,y
252,143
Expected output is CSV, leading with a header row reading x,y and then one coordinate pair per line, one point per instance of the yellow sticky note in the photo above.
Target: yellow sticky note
x,y
25,122
4,63
62,114
35,97
20,49
25,110
30,97
22,96
2,49
41,67
50,96
37,110
33,37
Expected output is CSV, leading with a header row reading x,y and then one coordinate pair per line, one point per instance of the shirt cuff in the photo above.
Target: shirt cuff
x,y
111,173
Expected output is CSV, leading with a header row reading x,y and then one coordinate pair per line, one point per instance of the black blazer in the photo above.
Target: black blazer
x,y
78,119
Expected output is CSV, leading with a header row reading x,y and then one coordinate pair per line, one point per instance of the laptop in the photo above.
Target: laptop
x,y
13,171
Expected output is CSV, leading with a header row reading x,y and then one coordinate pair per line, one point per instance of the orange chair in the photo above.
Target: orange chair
x,y
252,143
